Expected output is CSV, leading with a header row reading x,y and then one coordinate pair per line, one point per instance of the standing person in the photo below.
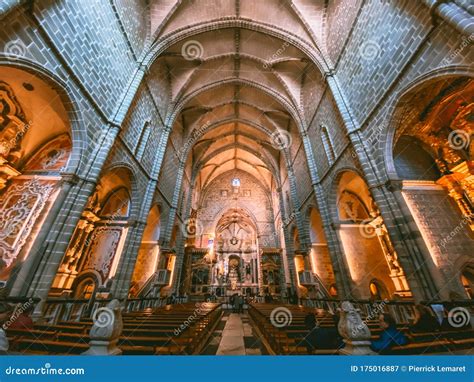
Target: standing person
x,y
294,298
240,299
390,335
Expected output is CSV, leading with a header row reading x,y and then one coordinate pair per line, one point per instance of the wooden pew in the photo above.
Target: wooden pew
x,y
154,332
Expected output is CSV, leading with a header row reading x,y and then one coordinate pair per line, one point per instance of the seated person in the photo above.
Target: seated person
x,y
424,321
321,337
390,335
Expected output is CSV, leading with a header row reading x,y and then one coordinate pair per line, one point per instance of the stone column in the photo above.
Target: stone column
x,y
410,255
336,253
128,258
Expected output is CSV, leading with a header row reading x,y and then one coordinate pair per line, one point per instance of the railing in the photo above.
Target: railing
x,y
402,311
307,278
57,310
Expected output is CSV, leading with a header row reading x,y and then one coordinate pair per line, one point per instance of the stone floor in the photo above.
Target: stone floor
x,y
234,336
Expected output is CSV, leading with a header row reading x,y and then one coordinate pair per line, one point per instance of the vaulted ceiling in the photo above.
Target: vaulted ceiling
x,y
236,80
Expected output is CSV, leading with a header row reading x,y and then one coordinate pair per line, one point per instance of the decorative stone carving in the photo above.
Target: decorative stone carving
x,y
52,157
355,332
103,247
20,207
106,330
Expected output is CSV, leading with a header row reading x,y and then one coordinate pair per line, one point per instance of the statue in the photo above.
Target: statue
x,y
355,332
382,233
13,126
106,330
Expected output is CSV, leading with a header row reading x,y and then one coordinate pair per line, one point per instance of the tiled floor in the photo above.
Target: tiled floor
x,y
234,336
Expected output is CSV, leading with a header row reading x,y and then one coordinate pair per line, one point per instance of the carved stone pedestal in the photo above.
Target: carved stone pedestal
x,y
355,332
106,330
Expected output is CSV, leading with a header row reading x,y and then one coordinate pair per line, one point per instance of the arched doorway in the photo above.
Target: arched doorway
x,y
367,246
430,153
35,147
321,263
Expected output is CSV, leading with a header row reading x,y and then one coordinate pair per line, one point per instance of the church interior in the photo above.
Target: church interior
x,y
236,177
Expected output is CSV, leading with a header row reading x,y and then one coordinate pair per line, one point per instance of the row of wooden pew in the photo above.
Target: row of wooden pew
x,y
289,339
171,330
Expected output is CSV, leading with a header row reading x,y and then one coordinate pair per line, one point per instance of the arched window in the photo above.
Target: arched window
x,y
327,143
377,290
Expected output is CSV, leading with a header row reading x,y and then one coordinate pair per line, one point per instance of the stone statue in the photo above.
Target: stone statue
x,y
106,330
355,332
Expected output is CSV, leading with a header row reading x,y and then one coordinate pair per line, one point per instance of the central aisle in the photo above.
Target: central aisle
x,y
234,336
232,341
